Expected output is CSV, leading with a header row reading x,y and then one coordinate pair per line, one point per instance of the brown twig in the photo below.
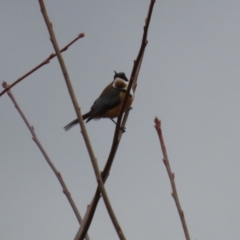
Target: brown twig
x,y
47,158
118,133
82,125
171,177
46,61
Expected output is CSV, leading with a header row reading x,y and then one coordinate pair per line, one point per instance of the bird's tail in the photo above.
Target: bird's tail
x,y
71,124
75,122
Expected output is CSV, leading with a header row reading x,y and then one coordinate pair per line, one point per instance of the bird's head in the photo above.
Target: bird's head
x,y
120,75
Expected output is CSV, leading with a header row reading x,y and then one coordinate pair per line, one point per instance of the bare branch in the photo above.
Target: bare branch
x,y
46,61
47,158
82,125
171,177
118,133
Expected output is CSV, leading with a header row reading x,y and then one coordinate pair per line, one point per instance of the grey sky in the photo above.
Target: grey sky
x,y
189,79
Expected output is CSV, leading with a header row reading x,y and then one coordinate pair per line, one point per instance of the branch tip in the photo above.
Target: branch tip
x,y
44,153
46,61
171,176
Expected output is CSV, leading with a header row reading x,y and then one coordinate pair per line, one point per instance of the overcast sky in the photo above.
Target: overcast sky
x,y
190,79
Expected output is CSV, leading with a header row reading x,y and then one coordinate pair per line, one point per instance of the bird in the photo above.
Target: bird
x,y
109,103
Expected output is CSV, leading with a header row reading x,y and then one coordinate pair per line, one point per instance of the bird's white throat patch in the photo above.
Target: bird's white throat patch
x,y
120,84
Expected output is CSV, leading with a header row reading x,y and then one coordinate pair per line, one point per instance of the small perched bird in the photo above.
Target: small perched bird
x,y
109,103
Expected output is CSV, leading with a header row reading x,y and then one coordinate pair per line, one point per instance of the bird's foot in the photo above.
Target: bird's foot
x,y
123,129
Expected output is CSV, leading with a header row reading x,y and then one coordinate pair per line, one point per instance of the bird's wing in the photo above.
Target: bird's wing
x,y
104,103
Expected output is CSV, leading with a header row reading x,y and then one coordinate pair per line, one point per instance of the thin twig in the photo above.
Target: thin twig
x,y
171,177
47,158
82,125
118,133
46,61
